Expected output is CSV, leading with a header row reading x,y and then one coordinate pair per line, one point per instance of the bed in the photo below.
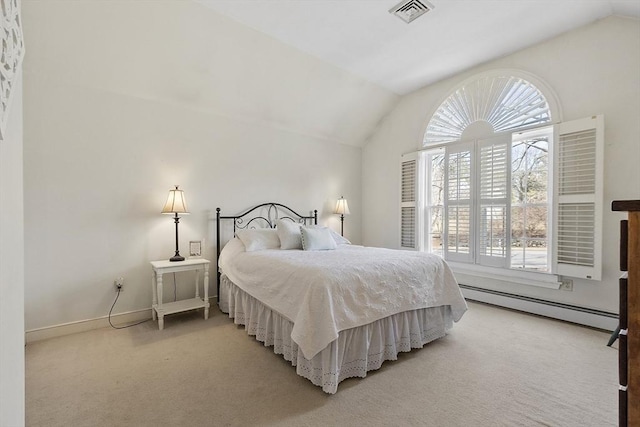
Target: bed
x,y
333,309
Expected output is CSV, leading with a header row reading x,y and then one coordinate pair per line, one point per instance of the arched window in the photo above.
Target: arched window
x,y
504,102
481,191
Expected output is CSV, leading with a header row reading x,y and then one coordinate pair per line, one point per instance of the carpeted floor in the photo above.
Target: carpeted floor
x,y
495,368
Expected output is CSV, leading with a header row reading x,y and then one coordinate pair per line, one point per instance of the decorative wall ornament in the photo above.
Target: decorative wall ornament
x,y
11,56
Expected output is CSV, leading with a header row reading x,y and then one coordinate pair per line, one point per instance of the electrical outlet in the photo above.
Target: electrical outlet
x,y
119,284
567,285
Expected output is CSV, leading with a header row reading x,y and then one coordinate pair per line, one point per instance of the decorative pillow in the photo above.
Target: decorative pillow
x,y
289,234
259,239
317,239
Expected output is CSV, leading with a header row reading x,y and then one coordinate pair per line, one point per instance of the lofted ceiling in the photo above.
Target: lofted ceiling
x,y
361,36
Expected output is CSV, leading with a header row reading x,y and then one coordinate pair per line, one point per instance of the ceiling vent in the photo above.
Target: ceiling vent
x,y
408,10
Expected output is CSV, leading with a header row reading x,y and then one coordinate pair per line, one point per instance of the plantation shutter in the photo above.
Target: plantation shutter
x,y
494,182
409,201
579,150
458,202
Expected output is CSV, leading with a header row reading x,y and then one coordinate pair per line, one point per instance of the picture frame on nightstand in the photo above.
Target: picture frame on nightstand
x,y
195,248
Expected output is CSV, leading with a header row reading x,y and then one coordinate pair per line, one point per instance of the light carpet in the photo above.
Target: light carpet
x,y
495,368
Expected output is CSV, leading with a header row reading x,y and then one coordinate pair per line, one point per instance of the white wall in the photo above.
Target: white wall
x,y
12,268
593,70
125,99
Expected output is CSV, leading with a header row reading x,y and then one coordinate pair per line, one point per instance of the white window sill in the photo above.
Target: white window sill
x,y
543,280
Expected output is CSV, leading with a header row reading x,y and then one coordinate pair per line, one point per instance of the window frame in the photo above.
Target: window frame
x,y
550,132
548,279
474,257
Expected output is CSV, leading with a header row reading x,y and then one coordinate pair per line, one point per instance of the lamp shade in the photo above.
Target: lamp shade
x,y
176,203
342,207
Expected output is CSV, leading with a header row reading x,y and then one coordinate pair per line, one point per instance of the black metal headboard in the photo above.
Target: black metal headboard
x,y
256,217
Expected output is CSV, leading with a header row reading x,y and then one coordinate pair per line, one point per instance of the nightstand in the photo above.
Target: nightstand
x,y
163,267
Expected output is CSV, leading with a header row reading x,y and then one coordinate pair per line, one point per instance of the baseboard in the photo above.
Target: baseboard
x,y
86,325
120,319
570,313
580,315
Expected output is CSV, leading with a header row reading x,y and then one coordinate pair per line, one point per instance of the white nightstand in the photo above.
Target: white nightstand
x,y
163,267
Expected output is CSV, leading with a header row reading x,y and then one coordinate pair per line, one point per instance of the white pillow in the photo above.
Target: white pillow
x,y
230,250
289,234
259,239
317,239
340,240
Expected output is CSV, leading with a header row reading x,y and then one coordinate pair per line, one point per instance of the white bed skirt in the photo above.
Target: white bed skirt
x,y
355,352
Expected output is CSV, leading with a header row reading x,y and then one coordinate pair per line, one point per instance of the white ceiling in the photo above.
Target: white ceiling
x,y
362,37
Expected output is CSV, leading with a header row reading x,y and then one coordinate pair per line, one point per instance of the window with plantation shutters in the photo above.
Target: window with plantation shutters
x,y
498,203
506,102
476,205
410,167
434,201
579,177
487,201
500,191
494,180
458,202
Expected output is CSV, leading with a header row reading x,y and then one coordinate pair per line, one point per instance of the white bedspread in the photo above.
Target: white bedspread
x,y
325,292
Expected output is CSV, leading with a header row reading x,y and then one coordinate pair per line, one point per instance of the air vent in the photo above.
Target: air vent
x,y
409,10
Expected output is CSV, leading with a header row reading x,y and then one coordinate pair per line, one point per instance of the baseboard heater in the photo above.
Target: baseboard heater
x,y
570,313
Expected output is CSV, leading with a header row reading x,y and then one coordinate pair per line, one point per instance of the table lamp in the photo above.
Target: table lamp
x,y
176,204
342,208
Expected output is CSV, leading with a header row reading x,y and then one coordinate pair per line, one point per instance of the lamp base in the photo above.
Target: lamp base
x,y
176,258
